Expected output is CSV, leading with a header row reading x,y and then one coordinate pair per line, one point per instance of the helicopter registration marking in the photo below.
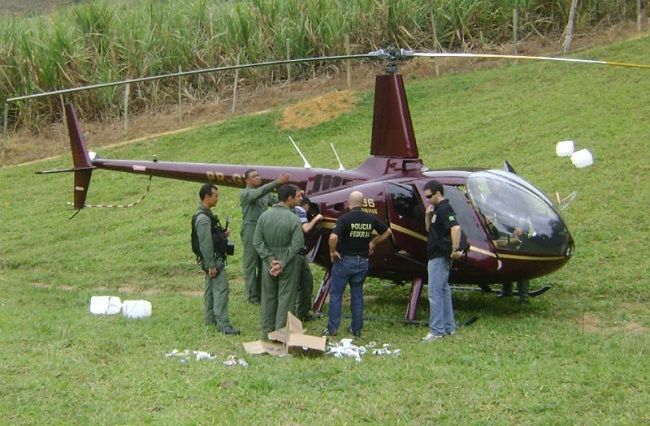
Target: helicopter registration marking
x,y
221,178
368,206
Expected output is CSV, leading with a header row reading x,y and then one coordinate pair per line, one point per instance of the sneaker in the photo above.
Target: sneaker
x,y
451,333
328,332
356,335
431,337
228,329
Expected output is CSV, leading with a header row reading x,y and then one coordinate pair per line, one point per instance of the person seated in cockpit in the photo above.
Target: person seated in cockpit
x,y
496,203
502,235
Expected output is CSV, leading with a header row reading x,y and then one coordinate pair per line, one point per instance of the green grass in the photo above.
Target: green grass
x,y
577,355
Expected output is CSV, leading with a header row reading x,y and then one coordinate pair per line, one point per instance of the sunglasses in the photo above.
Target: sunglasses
x,y
429,196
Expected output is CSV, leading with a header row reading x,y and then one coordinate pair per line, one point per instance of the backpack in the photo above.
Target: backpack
x,y
219,238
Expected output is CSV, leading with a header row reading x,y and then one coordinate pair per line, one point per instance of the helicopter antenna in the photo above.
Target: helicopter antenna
x,y
566,201
307,165
341,168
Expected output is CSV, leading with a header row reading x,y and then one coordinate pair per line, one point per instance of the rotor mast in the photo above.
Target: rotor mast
x,y
392,129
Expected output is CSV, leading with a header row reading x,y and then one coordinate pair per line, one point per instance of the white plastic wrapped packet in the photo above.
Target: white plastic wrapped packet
x,y
105,305
582,158
200,355
176,352
136,309
564,148
231,361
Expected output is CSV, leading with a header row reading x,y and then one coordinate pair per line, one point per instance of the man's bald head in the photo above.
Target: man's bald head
x,y
355,199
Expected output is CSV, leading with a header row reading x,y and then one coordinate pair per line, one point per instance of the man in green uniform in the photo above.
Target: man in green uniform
x,y
278,239
206,226
254,200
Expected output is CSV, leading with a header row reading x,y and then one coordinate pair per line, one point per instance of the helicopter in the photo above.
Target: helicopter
x,y
519,235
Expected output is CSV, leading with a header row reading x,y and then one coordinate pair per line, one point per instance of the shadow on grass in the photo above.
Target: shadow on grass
x,y
388,302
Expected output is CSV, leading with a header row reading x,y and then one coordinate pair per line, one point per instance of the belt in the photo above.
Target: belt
x,y
357,256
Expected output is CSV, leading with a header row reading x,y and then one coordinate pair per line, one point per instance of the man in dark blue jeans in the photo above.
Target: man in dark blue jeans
x,y
350,245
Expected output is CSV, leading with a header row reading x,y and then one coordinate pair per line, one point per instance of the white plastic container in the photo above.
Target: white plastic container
x,y
582,158
105,305
564,148
136,309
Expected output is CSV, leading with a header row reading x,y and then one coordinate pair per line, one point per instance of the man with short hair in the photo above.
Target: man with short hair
x,y
254,199
443,246
278,240
350,246
208,230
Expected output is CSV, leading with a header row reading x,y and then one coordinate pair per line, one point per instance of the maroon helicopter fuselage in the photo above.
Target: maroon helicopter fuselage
x,y
391,179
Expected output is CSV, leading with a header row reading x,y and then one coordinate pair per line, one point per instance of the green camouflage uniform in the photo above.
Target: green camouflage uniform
x,y
254,202
278,236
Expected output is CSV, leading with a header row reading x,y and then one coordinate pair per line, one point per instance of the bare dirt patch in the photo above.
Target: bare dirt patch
x,y
311,112
593,323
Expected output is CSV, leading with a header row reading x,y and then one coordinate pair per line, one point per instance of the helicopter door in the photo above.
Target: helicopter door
x,y
481,253
406,216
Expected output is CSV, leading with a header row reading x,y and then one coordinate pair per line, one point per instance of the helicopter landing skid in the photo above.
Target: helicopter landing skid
x,y
533,293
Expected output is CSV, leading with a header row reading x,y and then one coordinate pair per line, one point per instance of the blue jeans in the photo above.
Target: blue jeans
x,y
441,317
352,269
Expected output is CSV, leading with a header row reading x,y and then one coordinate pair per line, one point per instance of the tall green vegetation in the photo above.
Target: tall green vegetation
x,y
103,41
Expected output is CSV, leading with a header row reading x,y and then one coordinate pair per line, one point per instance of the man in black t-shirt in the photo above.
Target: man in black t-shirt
x,y
443,246
350,246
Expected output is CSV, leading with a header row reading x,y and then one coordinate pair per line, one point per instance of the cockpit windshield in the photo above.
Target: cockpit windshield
x,y
516,215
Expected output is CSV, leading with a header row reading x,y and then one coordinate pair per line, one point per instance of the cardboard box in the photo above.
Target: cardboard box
x,y
288,340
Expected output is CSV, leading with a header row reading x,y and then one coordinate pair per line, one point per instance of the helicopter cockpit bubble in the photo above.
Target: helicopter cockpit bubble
x,y
518,216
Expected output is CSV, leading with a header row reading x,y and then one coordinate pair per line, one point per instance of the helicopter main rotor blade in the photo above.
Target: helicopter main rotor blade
x,y
523,57
390,54
371,55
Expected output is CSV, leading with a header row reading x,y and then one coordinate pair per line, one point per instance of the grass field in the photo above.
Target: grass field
x,y
577,355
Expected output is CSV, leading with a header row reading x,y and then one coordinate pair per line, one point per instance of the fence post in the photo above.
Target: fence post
x,y
180,97
288,65
127,90
234,86
515,29
436,43
348,51
4,132
569,28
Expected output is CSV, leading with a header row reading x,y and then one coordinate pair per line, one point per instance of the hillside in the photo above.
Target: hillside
x,y
575,355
